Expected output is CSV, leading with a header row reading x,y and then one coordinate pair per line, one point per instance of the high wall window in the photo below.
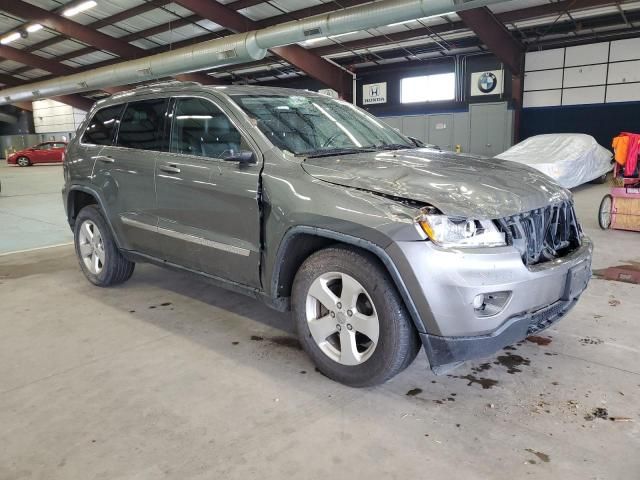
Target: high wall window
x,y
428,88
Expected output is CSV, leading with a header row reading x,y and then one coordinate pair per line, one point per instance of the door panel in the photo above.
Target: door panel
x,y
50,154
441,131
496,132
125,174
488,128
39,153
208,207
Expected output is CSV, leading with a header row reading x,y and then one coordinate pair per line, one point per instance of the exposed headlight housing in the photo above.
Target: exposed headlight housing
x,y
460,232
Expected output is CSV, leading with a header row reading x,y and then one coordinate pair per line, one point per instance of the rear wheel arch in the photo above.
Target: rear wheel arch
x,y
77,199
80,197
301,242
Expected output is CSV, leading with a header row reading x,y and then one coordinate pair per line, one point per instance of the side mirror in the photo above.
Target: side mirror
x,y
242,156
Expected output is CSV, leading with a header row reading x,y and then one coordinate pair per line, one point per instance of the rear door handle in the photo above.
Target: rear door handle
x,y
169,168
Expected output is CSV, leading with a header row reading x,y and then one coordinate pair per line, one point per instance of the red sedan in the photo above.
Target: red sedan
x,y
47,152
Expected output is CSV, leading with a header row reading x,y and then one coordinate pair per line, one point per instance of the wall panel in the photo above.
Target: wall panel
x,y
583,96
628,49
543,79
586,54
545,60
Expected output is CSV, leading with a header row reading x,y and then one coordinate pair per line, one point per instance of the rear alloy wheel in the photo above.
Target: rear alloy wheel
x,y
98,255
350,318
23,162
605,212
91,247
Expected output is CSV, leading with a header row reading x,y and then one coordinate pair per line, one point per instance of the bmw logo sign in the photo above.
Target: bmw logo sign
x,y
487,82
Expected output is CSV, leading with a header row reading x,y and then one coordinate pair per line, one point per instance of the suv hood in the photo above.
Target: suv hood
x,y
457,185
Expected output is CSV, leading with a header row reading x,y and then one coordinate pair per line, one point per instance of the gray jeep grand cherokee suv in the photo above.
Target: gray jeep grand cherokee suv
x,y
377,246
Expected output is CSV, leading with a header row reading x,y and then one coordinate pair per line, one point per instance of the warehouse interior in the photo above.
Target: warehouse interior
x,y
171,376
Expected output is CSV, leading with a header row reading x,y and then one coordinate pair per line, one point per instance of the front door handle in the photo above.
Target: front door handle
x,y
169,168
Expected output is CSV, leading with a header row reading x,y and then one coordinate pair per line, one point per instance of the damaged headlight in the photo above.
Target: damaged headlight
x,y
460,232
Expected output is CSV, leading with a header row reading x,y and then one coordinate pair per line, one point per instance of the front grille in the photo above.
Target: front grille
x,y
543,234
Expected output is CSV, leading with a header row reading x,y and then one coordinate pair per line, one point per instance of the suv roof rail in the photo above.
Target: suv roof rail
x,y
166,83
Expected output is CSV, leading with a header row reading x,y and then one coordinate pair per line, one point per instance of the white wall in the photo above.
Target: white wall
x,y
53,117
597,73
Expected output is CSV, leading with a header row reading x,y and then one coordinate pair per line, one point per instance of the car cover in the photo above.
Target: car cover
x,y
571,159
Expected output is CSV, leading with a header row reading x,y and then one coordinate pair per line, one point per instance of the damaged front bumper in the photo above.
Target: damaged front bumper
x,y
447,287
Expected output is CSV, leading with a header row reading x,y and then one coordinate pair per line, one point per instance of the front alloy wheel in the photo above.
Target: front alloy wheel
x,y
342,318
350,318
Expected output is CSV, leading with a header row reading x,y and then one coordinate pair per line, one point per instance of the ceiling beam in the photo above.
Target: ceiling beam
x,y
310,63
495,36
512,16
77,101
135,11
69,28
309,12
46,64
34,61
551,9
406,35
80,32
118,17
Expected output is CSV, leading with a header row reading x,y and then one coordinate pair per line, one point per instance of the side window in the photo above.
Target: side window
x,y
142,125
43,146
201,128
102,126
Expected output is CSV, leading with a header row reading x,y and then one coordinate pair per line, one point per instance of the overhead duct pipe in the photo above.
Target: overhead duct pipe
x,y
240,48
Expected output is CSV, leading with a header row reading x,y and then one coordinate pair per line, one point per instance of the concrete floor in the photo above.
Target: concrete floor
x,y
30,202
168,377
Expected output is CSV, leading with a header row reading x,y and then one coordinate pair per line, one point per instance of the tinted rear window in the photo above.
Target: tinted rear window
x,y
102,126
142,125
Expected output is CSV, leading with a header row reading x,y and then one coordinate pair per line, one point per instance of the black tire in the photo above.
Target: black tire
x,y
398,341
606,200
23,162
115,269
600,180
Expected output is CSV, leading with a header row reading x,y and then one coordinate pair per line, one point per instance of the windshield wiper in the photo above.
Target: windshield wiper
x,y
394,146
327,152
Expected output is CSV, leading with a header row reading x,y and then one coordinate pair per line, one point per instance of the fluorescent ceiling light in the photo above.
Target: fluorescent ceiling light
x,y
34,28
81,7
10,38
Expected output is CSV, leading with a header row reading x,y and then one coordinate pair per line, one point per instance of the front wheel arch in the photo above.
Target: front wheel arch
x,y
288,263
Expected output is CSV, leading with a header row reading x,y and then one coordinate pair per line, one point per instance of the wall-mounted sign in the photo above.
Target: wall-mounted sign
x,y
374,93
487,83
